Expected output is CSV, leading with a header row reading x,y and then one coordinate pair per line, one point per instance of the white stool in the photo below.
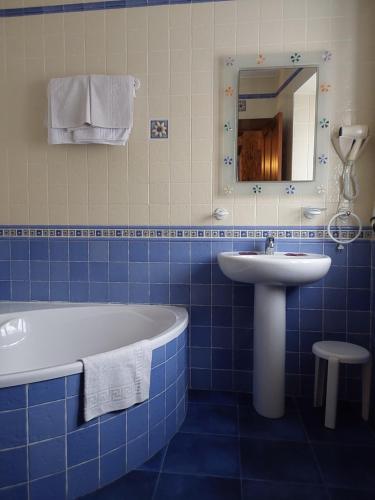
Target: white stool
x,y
335,353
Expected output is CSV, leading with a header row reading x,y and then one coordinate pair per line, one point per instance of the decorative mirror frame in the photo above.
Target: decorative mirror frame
x,y
229,88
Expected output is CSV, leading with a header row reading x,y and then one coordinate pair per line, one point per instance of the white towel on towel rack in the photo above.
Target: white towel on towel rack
x,y
117,379
99,135
69,102
111,101
91,109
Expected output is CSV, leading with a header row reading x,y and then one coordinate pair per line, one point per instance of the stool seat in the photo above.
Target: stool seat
x,y
329,355
344,352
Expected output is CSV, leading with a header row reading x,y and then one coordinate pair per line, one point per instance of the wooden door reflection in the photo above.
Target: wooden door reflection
x,y
259,145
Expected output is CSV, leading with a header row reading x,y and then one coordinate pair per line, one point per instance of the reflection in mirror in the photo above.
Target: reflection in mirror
x,y
276,124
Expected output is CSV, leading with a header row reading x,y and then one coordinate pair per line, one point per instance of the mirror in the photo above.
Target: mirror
x,y
276,123
290,96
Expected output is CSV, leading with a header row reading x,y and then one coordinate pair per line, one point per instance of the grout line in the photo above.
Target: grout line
x,y
310,444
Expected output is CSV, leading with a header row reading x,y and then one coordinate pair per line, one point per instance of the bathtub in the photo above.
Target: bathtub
x,y
46,448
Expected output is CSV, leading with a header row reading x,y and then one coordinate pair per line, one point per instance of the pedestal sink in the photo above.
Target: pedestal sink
x,y
271,274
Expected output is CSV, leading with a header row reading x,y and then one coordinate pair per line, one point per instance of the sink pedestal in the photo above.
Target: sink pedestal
x,y
269,350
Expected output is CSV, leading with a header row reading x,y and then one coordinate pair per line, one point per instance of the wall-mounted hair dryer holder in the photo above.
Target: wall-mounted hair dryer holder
x,y
349,142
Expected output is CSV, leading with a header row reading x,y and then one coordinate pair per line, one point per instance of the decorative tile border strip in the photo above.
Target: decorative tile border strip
x,y
91,6
178,233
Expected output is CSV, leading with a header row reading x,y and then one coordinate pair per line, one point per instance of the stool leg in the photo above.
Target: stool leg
x,y
320,375
332,389
366,389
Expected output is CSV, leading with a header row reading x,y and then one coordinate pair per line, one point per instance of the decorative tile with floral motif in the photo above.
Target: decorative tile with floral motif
x,y
229,61
228,161
257,189
327,55
261,59
325,87
228,127
228,190
296,57
291,189
229,91
323,159
159,129
324,123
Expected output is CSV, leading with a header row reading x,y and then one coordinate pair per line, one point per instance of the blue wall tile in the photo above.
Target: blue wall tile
x,y
48,487
82,445
83,479
137,452
15,493
59,291
13,467
137,419
98,251
157,410
59,271
47,457
12,429
49,390
118,251
78,251
12,398
112,433
5,249
20,249
59,250
138,251
159,251
46,421
39,250
112,465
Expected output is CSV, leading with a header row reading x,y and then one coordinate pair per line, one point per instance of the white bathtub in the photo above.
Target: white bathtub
x,y
41,341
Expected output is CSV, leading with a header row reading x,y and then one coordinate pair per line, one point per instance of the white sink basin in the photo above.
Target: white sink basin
x,y
281,268
271,274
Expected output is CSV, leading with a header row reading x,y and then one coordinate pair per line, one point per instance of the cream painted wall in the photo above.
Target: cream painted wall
x,y
174,51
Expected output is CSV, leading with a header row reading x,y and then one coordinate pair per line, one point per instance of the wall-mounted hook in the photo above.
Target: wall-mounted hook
x,y
220,213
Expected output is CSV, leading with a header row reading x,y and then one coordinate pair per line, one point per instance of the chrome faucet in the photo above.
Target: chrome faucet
x,y
270,246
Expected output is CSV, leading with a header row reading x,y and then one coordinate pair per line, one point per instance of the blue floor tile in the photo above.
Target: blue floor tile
x,y
350,428
254,425
213,397
262,490
155,462
203,455
342,494
184,487
211,419
278,461
136,484
347,466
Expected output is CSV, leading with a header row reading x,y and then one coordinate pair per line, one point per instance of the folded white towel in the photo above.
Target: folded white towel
x,y
111,100
69,102
117,379
91,109
98,135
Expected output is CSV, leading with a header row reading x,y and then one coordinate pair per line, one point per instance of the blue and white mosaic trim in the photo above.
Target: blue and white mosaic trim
x,y
91,6
177,233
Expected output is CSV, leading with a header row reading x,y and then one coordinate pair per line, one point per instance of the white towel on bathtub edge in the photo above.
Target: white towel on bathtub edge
x,y
117,379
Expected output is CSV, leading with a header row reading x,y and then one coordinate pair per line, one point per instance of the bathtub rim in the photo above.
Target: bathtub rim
x,y
76,367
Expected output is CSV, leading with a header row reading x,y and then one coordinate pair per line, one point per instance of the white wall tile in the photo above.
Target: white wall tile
x,y
174,50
